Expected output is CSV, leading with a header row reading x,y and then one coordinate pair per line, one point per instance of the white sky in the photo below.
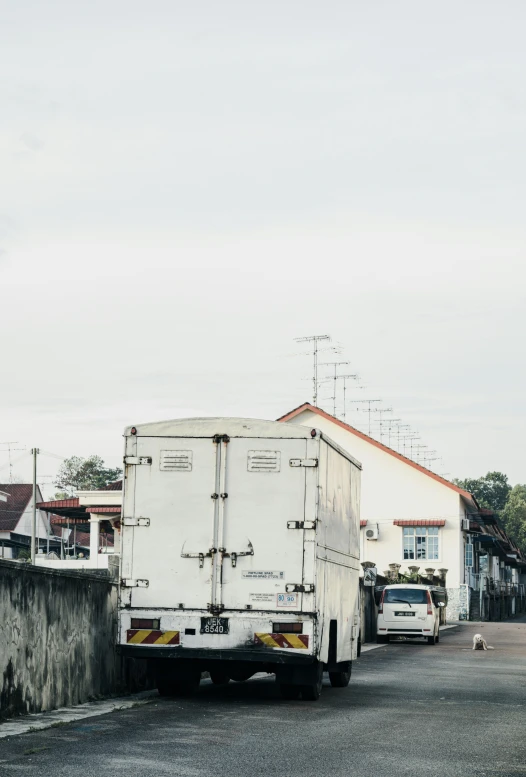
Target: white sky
x,y
188,186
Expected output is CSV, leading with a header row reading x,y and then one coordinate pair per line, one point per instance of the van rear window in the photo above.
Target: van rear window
x,y
411,595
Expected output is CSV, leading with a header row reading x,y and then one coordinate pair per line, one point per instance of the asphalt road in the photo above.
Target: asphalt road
x,y
410,709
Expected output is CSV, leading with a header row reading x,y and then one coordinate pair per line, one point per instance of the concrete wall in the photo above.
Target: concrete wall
x,y
57,638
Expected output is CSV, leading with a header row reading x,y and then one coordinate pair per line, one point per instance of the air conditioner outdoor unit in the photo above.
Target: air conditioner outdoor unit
x,y
371,533
465,524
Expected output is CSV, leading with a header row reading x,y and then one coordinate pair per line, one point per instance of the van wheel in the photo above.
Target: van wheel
x,y
382,639
432,640
219,678
289,691
340,679
312,691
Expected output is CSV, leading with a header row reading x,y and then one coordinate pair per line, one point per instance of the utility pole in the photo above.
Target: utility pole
x,y
369,402
314,339
34,453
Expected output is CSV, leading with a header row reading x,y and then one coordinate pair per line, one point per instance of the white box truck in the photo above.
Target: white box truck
x,y
240,554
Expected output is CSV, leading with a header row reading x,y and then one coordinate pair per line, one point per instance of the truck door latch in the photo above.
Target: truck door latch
x,y
127,582
139,521
137,460
298,588
303,462
301,524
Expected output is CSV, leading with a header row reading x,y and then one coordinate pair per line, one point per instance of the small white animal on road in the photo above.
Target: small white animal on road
x,y
479,643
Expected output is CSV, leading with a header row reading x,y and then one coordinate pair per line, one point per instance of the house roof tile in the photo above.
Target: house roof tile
x,y
19,495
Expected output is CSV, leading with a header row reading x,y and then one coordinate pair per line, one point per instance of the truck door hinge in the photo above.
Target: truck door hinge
x,y
291,588
129,583
301,524
303,462
137,460
135,521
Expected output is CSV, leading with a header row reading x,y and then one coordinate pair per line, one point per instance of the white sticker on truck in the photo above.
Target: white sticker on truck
x,y
253,574
263,598
287,600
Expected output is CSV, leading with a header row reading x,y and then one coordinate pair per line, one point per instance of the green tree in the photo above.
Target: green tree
x,y
491,491
513,516
77,474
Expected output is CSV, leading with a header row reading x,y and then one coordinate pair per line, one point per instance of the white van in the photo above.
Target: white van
x,y
410,610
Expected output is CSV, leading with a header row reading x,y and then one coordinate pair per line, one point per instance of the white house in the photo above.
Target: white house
x,y
413,516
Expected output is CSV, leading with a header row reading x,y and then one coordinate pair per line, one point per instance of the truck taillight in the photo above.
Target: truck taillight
x,y
287,628
145,623
381,605
429,604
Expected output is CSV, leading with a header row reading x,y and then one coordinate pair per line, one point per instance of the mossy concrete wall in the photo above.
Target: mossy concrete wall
x,y
57,640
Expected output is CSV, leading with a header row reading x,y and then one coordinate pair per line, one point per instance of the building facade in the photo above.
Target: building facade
x,y
413,518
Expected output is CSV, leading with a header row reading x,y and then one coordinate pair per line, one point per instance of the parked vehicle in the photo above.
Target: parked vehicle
x,y
240,554
410,610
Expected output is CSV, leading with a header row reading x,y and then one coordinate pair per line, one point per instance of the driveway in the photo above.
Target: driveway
x,y
410,709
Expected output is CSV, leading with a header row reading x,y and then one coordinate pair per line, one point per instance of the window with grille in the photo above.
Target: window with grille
x,y
468,553
421,543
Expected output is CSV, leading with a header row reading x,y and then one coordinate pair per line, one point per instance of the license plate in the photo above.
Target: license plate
x,y
214,625
405,614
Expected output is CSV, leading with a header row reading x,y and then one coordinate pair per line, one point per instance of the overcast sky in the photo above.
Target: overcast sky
x,y
186,187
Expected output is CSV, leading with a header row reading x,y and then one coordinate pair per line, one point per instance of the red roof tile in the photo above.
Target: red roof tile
x,y
115,486
115,509
19,497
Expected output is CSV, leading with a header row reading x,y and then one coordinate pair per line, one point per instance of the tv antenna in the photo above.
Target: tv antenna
x,y
10,448
314,339
335,379
369,411
344,379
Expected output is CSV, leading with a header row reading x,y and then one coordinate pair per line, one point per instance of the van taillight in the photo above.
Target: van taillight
x,y
145,623
381,605
429,604
287,628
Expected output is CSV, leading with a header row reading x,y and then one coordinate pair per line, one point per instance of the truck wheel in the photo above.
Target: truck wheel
x,y
219,678
289,691
312,691
341,678
382,639
432,640
438,636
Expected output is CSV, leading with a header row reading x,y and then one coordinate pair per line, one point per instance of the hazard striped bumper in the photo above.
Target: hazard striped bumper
x,y
296,641
151,637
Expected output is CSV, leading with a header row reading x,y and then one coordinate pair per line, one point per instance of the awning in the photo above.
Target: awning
x,y
420,522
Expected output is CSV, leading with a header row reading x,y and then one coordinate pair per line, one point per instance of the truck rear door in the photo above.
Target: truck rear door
x,y
207,523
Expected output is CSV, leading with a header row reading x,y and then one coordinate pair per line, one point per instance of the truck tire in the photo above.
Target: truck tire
x,y
289,691
219,678
432,640
312,691
382,639
340,678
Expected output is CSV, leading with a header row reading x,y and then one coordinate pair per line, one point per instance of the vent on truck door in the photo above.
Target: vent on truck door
x,y
176,461
264,461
